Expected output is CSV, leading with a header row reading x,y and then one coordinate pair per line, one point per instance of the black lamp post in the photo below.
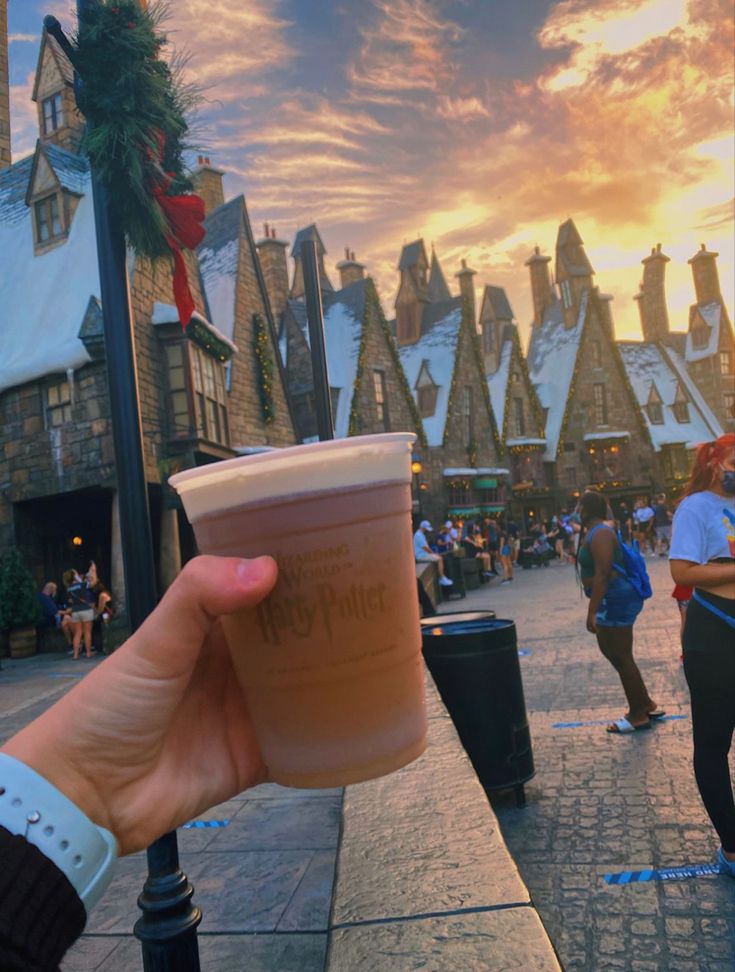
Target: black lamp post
x,y
315,320
416,468
167,928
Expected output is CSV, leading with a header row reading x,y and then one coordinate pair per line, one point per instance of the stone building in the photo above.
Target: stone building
x,y
595,431
369,392
198,390
442,359
515,406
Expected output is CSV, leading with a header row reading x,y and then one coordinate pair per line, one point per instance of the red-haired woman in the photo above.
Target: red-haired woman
x,y
702,556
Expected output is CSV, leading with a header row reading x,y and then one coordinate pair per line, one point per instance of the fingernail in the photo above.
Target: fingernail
x,y
249,571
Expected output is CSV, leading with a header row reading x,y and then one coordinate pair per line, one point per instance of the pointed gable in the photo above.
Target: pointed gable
x,y
219,255
571,259
510,382
438,289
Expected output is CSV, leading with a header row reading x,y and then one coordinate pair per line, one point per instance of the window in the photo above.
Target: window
x,y
566,293
655,413
519,419
596,354
468,415
675,462
197,402
681,411
700,335
460,492
52,114
600,404
58,404
730,404
681,406
177,394
488,332
48,221
381,401
427,395
725,362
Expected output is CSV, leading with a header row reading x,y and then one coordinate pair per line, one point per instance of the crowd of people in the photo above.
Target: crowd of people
x,y
79,612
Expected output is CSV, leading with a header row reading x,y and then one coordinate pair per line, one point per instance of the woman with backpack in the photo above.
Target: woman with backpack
x,y
702,556
614,605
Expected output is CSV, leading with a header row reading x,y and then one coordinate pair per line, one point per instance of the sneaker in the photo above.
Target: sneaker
x,y
506,580
726,867
445,582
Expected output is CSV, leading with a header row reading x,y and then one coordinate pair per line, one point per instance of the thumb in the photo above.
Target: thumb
x,y
207,587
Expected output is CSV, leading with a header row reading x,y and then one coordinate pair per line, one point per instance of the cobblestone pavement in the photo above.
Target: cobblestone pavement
x,y
602,803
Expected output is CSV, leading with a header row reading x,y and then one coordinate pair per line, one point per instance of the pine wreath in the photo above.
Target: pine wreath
x,y
137,106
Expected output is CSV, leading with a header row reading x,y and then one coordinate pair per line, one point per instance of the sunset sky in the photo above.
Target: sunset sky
x,y
477,124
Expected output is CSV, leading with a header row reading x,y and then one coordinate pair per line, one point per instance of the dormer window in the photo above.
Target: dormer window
x,y
489,334
48,219
655,407
681,406
700,335
426,392
52,114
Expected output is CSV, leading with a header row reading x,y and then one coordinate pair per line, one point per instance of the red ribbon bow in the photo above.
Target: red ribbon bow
x,y
184,215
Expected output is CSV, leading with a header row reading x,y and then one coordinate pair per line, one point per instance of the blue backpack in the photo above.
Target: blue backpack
x,y
634,567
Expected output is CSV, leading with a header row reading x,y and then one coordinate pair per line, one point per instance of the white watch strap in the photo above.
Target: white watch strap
x,y
34,808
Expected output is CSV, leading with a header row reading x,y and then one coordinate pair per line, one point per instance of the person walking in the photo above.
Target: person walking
x,y
614,606
643,526
702,556
662,524
506,554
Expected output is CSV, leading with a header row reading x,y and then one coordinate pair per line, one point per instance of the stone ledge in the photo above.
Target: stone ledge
x,y
424,879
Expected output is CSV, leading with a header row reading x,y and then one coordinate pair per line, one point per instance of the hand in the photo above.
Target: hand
x,y
160,730
592,621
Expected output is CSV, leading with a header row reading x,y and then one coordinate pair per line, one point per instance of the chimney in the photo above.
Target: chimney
x,y
273,261
652,307
467,288
540,284
5,156
349,269
208,184
706,279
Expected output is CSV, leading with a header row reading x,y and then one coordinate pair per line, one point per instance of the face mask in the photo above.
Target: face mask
x,y
728,481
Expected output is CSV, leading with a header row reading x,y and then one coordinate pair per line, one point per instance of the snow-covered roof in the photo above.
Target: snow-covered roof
x,y
44,298
437,346
497,383
552,355
711,315
168,314
648,365
343,320
475,471
526,440
219,255
601,436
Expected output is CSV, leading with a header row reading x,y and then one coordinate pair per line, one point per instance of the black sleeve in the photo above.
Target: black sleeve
x,y
41,915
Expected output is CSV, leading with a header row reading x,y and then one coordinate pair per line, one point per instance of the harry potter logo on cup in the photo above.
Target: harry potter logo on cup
x,y
297,616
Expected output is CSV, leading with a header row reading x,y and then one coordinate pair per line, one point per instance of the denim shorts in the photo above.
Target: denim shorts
x,y
620,606
84,615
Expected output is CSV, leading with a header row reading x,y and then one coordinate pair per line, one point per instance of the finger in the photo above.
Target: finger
x,y
206,588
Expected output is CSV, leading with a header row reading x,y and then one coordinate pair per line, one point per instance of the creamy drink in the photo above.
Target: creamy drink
x,y
330,663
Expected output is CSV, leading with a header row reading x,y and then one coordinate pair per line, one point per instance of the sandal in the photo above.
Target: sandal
x,y
657,714
622,727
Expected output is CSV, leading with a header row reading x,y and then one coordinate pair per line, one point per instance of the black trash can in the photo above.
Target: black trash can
x,y
473,658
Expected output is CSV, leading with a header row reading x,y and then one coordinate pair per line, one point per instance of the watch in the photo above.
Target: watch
x,y
35,809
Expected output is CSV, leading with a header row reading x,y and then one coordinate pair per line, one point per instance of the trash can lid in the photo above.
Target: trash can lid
x,y
470,623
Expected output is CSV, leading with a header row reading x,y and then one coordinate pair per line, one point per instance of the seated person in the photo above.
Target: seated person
x,y
53,615
475,547
422,552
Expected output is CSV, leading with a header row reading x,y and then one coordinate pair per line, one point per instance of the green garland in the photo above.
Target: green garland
x,y
132,98
207,341
264,368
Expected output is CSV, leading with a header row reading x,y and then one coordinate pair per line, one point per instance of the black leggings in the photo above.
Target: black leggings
x,y
709,666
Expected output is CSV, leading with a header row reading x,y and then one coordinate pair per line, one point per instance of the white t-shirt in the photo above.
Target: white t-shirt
x,y
420,543
703,528
644,514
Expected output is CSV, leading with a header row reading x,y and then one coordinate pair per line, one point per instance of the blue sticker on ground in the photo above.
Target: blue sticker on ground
x,y
203,824
522,652
663,874
606,722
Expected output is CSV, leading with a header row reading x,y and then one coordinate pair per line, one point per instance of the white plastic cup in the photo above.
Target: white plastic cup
x,y
330,662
